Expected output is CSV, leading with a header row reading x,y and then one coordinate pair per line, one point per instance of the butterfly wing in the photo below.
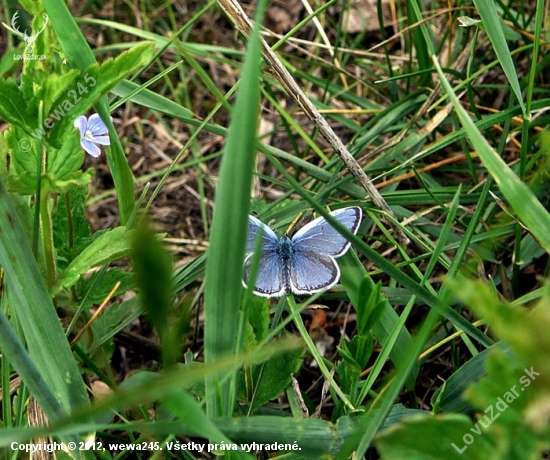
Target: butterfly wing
x,y
320,237
255,227
311,272
269,280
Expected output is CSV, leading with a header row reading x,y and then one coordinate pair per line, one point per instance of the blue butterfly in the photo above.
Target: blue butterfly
x,y
304,264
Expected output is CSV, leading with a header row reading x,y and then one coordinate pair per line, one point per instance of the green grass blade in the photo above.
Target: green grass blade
x,y
46,341
172,380
526,205
224,267
13,349
422,40
493,26
353,273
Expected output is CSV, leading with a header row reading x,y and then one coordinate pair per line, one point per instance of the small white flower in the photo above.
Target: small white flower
x,y
92,132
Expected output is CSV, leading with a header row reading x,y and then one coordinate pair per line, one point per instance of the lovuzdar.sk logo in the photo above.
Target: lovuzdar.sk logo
x,y
28,39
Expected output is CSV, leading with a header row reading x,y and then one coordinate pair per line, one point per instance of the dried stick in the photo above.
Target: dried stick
x,y
237,15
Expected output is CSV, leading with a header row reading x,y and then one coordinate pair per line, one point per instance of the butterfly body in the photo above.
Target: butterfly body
x,y
303,264
285,251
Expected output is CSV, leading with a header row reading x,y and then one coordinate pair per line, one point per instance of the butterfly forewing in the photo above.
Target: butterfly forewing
x,y
319,236
311,272
255,227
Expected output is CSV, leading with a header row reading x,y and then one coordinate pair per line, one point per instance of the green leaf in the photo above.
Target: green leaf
x,y
104,286
114,320
188,410
274,376
62,173
50,87
524,330
66,160
63,166
154,101
12,103
449,397
9,65
23,154
370,307
71,230
94,82
353,277
258,318
415,439
422,40
110,246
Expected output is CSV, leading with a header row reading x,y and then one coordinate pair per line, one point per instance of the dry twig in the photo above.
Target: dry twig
x,y
237,15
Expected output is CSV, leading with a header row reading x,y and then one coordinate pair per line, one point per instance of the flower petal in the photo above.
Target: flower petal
x,y
96,125
90,147
103,140
81,123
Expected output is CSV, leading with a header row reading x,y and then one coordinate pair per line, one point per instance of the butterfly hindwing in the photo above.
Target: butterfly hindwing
x,y
269,281
319,236
311,272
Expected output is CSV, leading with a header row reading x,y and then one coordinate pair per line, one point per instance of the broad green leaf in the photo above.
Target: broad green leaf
x,y
63,164
9,65
71,233
450,397
50,87
416,439
110,246
109,279
93,83
522,200
12,103
258,318
274,376
23,158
